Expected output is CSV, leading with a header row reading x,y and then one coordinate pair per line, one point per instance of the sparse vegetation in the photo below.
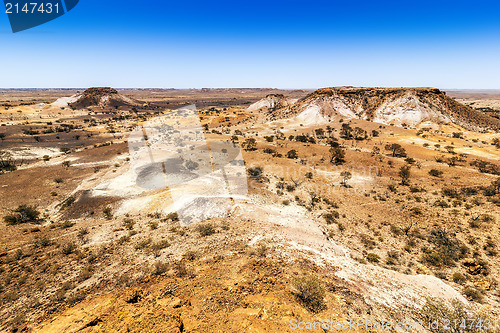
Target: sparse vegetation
x,y
317,191
396,150
460,318
373,257
292,154
435,173
310,292
205,229
255,173
68,248
337,155
404,174
23,214
108,213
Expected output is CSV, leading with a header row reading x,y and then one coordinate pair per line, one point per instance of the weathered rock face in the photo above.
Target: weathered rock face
x,y
396,106
272,102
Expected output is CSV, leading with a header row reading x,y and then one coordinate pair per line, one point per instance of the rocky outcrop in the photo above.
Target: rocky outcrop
x,y
395,106
272,102
100,97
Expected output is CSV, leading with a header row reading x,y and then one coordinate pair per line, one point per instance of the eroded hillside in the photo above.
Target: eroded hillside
x,y
396,106
375,219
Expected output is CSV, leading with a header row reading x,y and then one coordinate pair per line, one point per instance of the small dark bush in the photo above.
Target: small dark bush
x,y
205,229
23,214
156,247
436,258
435,173
373,257
447,249
68,202
68,248
108,213
441,203
129,223
329,218
173,217
42,241
143,244
66,225
255,173
473,294
292,154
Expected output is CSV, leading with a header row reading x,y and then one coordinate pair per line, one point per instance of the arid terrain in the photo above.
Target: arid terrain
x,y
363,203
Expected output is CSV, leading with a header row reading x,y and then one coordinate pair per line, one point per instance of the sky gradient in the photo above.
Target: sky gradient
x,y
282,44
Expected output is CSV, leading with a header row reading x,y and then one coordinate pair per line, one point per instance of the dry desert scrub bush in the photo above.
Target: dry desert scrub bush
x,y
23,214
455,318
205,229
310,292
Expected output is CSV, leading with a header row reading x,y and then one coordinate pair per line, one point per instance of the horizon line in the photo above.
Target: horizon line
x,y
243,88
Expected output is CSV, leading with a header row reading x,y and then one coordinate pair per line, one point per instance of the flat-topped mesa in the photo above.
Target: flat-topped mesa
x,y
100,91
374,90
392,106
103,97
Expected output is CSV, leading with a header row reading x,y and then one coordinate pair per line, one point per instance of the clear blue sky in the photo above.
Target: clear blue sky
x,y
283,44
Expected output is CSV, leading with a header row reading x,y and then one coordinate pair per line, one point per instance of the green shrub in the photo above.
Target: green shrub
x,y
447,249
448,244
395,230
68,202
459,278
373,257
124,239
310,292
160,245
367,241
436,258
